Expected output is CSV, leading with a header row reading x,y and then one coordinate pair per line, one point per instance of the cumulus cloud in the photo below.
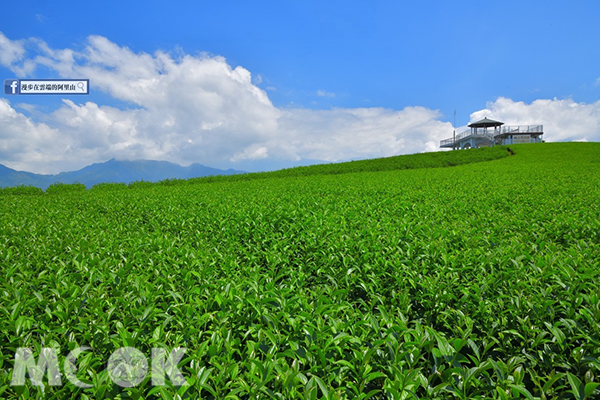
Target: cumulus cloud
x,y
252,152
11,51
563,120
187,109
341,134
26,145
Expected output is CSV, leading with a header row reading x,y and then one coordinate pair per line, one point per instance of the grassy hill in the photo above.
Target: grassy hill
x,y
387,279
413,161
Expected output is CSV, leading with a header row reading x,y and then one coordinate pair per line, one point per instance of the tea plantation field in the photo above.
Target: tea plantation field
x,y
463,275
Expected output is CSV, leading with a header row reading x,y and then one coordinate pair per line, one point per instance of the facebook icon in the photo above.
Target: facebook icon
x,y
11,86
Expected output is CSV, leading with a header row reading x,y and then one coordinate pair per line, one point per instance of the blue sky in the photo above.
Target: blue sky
x,y
326,71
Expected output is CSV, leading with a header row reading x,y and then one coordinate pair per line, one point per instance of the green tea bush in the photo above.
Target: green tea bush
x,y
140,185
472,282
21,190
109,186
60,188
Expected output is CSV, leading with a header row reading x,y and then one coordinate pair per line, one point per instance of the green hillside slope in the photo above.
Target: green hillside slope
x,y
412,161
476,281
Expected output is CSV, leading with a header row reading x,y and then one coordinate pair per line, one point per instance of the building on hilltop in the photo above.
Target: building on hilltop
x,y
487,133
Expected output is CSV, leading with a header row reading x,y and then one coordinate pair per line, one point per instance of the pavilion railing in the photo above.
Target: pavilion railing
x,y
521,129
478,132
446,142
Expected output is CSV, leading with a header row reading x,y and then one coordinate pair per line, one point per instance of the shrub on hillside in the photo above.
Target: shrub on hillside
x,y
58,188
140,184
109,186
19,190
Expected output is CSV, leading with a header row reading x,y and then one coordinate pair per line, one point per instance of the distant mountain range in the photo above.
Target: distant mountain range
x,y
112,171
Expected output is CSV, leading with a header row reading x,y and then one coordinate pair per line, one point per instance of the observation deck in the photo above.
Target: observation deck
x,y
487,132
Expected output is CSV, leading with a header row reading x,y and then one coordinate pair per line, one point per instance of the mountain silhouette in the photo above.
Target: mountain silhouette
x,y
112,171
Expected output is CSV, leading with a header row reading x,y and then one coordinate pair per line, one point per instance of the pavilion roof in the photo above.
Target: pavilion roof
x,y
484,123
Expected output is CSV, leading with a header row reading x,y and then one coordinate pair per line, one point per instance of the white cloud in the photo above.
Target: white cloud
x,y
11,51
342,134
200,109
563,120
323,93
26,145
252,152
26,106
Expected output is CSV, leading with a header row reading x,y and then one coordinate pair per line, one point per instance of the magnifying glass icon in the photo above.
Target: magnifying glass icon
x,y
81,86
